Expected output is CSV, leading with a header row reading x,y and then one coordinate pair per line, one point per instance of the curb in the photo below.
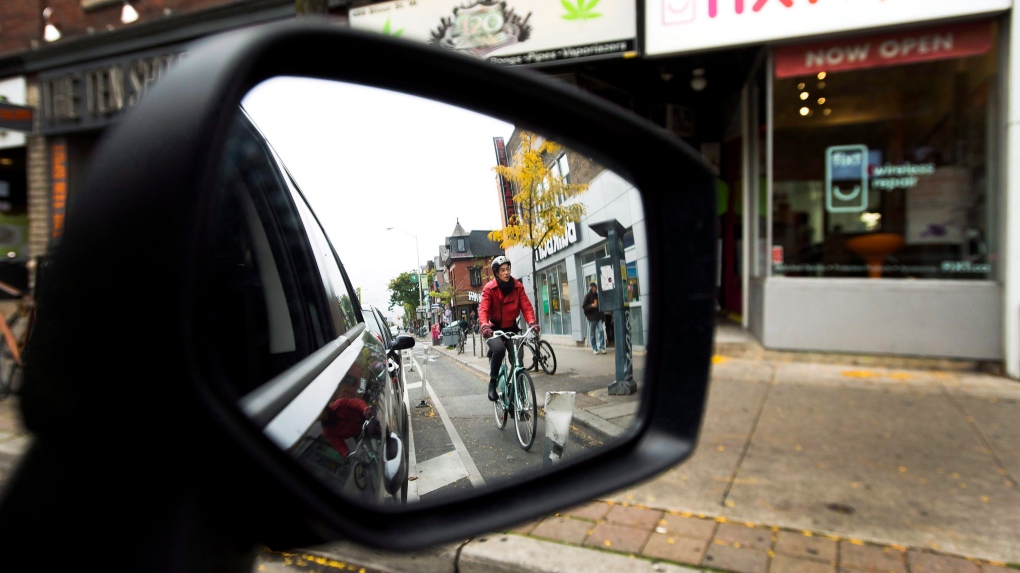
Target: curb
x,y
509,553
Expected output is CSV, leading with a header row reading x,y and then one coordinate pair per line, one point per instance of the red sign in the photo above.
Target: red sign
x,y
506,190
16,117
911,46
58,185
777,255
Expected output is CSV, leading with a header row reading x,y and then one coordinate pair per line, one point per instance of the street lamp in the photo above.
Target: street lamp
x,y
417,262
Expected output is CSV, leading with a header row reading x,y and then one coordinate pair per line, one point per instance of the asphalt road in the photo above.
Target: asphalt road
x,y
457,445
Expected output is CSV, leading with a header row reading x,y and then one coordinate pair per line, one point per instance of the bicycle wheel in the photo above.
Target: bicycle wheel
x,y
529,358
10,371
546,357
526,411
500,409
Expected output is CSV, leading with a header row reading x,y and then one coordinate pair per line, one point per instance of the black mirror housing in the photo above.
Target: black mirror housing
x,y
139,219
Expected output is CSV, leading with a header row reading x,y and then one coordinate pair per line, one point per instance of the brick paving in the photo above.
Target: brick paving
x,y
718,544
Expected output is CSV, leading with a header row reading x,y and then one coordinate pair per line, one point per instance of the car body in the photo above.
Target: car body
x,y
352,427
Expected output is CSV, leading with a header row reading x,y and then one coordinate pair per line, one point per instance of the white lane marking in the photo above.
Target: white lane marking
x,y
458,444
412,462
440,471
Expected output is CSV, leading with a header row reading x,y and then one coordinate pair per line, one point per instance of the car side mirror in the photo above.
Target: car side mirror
x,y
164,216
403,342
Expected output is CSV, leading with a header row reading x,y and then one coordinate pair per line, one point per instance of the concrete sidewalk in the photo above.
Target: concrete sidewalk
x,y
805,463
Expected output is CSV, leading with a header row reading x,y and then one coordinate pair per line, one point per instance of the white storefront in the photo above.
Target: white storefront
x,y
878,182
567,264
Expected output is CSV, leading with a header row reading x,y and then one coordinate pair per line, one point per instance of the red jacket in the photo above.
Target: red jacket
x,y
502,311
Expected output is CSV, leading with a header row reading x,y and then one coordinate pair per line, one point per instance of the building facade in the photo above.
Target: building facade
x,y
865,173
468,259
564,266
869,199
82,64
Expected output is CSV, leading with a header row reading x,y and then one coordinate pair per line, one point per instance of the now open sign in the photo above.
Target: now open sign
x,y
940,43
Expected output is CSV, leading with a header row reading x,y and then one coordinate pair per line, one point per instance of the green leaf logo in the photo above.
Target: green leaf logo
x,y
386,28
580,11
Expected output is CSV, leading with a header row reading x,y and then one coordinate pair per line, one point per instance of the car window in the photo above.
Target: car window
x,y
263,310
341,306
372,321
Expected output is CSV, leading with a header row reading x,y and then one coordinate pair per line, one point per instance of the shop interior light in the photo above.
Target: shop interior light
x,y
801,85
128,13
6,161
821,101
804,95
804,111
821,85
871,220
50,32
821,75
827,111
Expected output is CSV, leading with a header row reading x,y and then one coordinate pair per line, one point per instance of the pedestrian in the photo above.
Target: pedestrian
x,y
596,333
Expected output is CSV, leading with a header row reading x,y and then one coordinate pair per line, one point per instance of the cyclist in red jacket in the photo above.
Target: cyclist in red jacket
x,y
503,299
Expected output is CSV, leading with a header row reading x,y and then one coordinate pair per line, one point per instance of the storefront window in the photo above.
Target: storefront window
x,y
886,170
554,304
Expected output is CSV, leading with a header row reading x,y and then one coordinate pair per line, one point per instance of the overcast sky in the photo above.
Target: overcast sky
x,y
369,159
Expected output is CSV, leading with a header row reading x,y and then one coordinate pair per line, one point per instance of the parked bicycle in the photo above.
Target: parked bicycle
x,y
15,331
516,391
539,353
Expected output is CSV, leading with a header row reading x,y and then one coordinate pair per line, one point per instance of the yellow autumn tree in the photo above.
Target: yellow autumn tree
x,y
542,199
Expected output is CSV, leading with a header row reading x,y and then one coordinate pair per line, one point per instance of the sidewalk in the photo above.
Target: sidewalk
x,y
813,463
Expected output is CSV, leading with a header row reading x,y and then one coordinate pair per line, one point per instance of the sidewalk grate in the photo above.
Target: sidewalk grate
x,y
696,539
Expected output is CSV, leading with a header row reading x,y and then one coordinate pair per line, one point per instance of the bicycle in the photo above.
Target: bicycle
x,y
461,338
541,355
15,331
517,392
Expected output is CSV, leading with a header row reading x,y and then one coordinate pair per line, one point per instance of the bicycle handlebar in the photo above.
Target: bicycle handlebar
x,y
526,334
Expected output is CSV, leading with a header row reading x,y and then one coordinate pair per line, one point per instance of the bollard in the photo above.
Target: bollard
x,y
424,378
559,411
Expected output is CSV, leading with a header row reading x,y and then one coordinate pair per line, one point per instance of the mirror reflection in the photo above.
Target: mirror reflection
x,y
415,300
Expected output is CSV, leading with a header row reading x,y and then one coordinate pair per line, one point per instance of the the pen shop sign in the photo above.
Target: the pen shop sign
x,y
93,95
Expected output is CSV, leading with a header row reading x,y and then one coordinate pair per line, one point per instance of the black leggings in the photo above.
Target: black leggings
x,y
498,347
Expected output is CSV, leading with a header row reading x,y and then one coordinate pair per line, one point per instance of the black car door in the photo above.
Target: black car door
x,y
302,364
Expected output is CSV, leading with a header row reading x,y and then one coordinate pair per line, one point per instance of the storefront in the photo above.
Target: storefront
x,y
872,181
862,151
566,264
76,104
14,229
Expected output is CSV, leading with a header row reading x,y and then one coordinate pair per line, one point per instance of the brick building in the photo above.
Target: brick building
x,y
467,260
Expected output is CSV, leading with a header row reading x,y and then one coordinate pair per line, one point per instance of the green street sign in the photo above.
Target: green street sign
x,y
414,278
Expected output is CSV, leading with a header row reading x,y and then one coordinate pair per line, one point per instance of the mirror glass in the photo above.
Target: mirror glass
x,y
338,197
